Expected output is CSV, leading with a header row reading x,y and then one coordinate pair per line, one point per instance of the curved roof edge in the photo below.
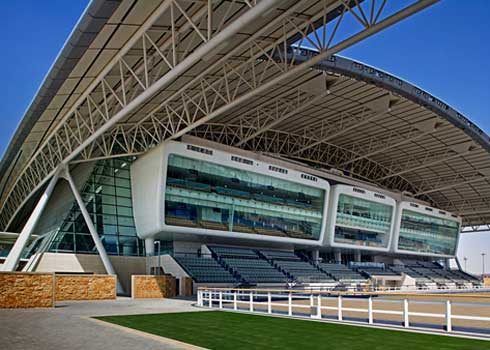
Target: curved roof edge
x,y
374,76
83,34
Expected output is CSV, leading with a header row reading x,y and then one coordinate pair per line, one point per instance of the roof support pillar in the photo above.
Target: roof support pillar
x,y
20,244
93,232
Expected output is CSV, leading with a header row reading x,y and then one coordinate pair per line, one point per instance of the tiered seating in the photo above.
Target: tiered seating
x,y
204,269
376,271
296,268
431,274
341,272
248,266
420,271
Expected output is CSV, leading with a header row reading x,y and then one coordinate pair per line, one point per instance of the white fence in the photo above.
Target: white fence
x,y
267,302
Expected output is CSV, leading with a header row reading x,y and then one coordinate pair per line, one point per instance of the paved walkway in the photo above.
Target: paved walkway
x,y
68,325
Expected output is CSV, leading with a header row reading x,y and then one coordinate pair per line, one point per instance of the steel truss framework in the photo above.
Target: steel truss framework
x,y
194,62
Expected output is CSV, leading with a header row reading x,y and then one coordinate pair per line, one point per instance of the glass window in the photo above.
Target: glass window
x,y
112,216
215,197
125,221
123,192
125,202
362,222
427,234
123,182
125,211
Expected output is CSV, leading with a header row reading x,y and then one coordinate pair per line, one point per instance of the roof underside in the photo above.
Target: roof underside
x,y
338,115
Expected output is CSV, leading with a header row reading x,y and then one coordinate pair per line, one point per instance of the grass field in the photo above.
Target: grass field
x,y
226,330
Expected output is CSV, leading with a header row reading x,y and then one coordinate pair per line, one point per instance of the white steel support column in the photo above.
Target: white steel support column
x,y
93,232
315,255
15,253
150,246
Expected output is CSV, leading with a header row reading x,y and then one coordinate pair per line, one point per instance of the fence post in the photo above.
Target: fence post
x,y
406,322
269,301
199,297
251,301
449,325
235,306
290,304
339,307
370,310
319,306
210,299
312,304
220,299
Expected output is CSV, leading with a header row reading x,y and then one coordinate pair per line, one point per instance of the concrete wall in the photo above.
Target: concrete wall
x,y
153,287
26,290
125,266
85,287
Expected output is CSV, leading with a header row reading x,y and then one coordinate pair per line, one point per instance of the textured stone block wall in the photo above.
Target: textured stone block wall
x,y
26,290
187,288
85,287
153,287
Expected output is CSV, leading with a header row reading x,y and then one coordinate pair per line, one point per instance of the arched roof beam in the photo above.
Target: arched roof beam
x,y
375,145
430,159
455,182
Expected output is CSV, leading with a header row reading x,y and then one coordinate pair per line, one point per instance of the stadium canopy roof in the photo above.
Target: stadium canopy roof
x,y
136,73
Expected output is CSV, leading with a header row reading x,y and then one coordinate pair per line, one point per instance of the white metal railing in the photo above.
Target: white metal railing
x,y
250,300
319,287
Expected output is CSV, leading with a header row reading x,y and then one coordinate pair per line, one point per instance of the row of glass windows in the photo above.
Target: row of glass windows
x,y
362,222
427,234
211,196
68,242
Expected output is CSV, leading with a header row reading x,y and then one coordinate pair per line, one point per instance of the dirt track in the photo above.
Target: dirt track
x,y
416,303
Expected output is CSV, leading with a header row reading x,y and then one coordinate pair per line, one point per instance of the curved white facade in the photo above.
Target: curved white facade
x,y
360,219
184,191
181,189
423,230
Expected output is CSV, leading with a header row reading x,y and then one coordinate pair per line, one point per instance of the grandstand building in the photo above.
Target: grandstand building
x,y
200,140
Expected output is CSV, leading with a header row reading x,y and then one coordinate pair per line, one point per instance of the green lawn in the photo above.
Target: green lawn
x,y
226,330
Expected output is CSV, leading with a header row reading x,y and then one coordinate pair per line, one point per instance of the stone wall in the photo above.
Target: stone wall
x,y
187,286
153,287
125,266
26,290
85,287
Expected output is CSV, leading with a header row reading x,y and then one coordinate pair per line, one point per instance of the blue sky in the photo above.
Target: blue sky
x,y
443,49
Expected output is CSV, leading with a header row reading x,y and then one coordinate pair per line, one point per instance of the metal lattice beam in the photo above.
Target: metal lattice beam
x,y
239,68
